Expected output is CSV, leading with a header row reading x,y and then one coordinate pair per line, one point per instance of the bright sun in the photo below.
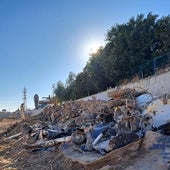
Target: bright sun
x,y
92,47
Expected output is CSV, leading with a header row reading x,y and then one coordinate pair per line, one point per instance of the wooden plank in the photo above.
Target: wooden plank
x,y
47,144
13,136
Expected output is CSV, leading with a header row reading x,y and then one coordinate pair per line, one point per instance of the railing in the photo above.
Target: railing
x,y
151,67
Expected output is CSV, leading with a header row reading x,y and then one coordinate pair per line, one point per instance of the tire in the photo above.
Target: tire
x,y
78,137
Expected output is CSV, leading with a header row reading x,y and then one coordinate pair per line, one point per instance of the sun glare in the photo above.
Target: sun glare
x,y
92,47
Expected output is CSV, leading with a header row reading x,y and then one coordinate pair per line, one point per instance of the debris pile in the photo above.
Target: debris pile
x,y
93,126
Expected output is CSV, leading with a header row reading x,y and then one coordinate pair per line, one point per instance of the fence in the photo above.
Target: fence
x,y
152,66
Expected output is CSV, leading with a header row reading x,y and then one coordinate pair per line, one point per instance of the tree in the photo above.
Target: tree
x,y
83,85
60,91
162,35
70,87
128,46
70,79
96,71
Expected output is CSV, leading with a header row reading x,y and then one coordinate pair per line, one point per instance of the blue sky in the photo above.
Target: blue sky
x,y
41,41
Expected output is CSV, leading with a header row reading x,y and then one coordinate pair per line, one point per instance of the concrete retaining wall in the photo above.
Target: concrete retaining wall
x,y
157,85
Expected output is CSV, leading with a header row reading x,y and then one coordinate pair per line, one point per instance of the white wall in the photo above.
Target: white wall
x,y
157,85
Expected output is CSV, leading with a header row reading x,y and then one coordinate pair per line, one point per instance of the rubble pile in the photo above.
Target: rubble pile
x,y
94,128
77,112
92,125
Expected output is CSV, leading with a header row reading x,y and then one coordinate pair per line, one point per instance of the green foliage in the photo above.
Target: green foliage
x,y
60,91
96,71
70,79
127,47
70,86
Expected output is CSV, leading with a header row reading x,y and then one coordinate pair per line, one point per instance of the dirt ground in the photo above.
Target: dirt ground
x,y
6,123
14,156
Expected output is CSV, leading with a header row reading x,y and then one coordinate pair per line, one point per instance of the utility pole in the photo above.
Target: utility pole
x,y
24,91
